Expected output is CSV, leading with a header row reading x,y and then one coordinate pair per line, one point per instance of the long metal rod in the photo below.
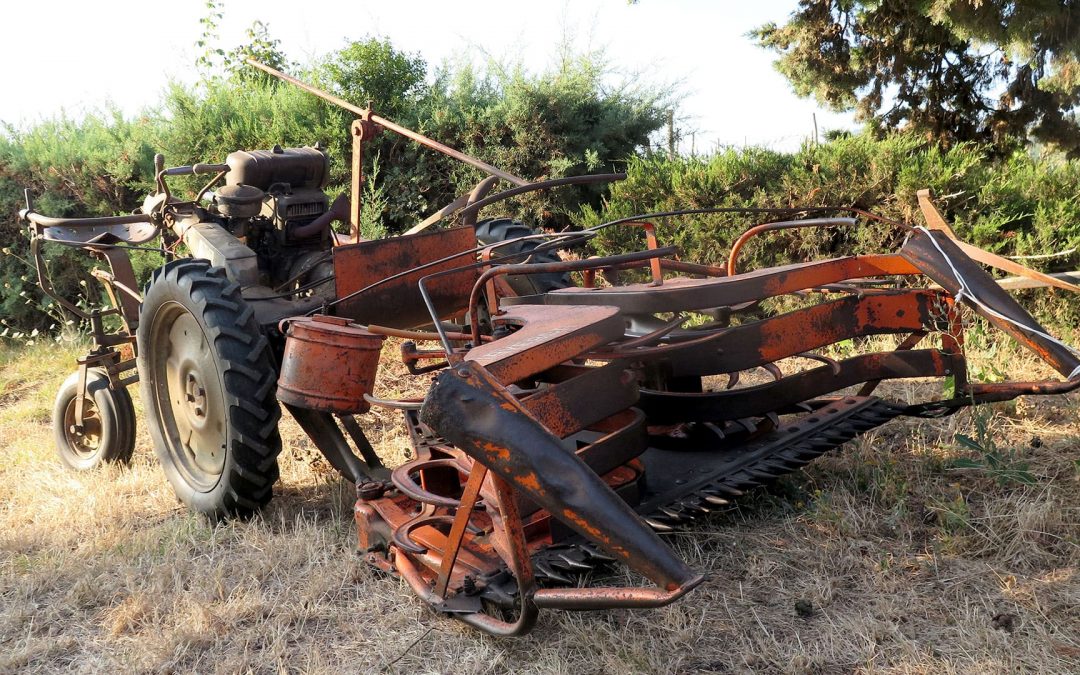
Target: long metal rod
x,y
587,179
387,124
786,211
782,225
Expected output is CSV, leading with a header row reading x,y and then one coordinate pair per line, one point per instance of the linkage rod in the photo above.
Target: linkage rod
x,y
366,114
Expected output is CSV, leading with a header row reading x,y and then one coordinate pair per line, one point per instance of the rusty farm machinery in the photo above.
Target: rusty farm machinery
x,y
567,426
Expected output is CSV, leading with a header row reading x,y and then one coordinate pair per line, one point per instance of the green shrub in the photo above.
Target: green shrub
x,y
565,121
560,122
100,165
1021,205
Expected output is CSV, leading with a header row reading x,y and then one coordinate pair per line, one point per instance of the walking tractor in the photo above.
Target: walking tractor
x,y
565,426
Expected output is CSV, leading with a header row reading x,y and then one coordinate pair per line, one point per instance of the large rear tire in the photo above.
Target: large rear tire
x,y
108,433
208,386
495,230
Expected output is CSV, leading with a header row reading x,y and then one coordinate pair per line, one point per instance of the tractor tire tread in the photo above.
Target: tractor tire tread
x,y
248,378
495,230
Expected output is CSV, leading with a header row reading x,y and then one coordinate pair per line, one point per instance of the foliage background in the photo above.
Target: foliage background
x,y
993,71
567,120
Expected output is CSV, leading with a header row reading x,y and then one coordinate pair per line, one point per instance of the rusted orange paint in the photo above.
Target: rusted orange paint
x,y
397,303
529,482
594,532
329,364
546,337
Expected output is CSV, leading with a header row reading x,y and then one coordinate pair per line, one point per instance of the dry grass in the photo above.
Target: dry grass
x,y
877,558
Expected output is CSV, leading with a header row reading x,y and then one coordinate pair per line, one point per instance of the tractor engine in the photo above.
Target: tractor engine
x,y
271,204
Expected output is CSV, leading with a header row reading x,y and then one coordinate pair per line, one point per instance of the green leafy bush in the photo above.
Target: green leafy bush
x,y
100,165
565,121
561,122
1021,205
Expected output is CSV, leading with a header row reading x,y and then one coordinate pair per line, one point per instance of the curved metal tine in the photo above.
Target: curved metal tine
x,y
658,525
746,424
548,571
774,370
733,379
832,363
655,336
402,479
402,534
716,430
573,564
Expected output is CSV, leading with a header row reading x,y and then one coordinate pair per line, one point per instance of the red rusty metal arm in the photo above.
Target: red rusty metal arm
x,y
760,342
785,225
461,520
366,114
682,294
674,407
1006,391
547,337
473,411
612,598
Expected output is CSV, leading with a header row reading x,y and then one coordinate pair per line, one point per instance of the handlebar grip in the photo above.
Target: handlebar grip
x,y
194,169
209,168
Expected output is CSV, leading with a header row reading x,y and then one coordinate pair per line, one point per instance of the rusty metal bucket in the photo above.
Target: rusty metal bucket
x,y
329,364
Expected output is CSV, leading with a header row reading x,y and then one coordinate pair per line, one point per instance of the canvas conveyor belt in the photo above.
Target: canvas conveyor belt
x,y
683,484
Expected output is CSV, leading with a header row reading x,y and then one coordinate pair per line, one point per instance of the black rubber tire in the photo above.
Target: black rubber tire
x,y
237,390
109,414
495,230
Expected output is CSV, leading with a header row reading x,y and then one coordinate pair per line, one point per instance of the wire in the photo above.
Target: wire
x,y
786,211
300,289
966,293
1044,256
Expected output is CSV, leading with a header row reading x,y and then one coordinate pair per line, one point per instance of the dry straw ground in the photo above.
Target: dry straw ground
x,y
877,558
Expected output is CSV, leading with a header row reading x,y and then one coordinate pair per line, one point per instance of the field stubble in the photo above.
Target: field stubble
x,y
878,557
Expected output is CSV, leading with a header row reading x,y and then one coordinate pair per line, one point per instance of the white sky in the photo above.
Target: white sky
x,y
77,56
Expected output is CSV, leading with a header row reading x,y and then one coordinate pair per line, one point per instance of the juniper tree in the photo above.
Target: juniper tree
x,y
996,71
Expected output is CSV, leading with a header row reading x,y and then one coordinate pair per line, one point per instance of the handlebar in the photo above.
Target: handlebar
x,y
48,221
41,221
195,169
